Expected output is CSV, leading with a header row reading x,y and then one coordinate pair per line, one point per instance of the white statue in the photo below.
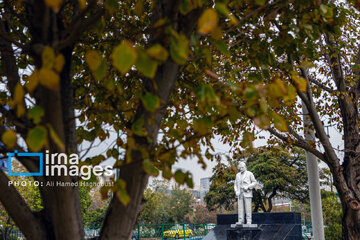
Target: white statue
x,y
244,183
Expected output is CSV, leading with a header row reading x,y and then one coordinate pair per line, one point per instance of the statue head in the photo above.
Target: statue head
x,y
242,167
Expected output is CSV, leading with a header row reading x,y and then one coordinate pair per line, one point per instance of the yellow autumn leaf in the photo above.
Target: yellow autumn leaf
x,y
59,63
158,52
9,138
300,83
32,81
139,8
48,57
19,94
49,79
93,59
208,21
54,4
217,33
82,4
279,122
20,110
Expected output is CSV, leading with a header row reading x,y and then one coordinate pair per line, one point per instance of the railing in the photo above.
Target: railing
x,y
171,231
149,232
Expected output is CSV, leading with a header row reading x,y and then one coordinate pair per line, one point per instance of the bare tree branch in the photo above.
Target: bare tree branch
x,y
320,85
307,99
299,143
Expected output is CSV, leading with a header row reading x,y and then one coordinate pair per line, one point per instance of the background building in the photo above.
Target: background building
x,y
204,187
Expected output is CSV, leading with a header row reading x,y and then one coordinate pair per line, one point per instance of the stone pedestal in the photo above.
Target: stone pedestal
x,y
270,226
243,225
243,232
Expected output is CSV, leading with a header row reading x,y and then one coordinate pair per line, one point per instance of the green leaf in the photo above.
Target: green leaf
x,y
179,177
179,49
138,127
124,56
221,45
260,2
158,52
189,181
36,138
150,168
202,125
121,192
93,59
250,93
36,113
100,72
146,65
151,102
9,138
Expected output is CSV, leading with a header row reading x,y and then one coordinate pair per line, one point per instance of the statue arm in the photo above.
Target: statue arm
x,y
253,182
236,188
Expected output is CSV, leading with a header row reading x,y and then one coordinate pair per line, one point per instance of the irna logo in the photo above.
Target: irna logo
x,y
59,164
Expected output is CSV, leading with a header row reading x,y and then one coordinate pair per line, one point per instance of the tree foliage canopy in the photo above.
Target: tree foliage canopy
x,y
168,75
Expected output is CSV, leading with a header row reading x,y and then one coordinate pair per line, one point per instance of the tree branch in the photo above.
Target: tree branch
x,y
8,59
19,211
78,28
299,143
320,85
335,64
307,99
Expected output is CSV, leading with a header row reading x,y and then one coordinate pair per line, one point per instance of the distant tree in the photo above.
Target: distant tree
x,y
221,194
202,215
332,215
281,173
156,204
180,204
94,218
162,207
93,207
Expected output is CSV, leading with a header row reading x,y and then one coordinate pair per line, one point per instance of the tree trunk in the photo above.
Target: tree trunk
x,y
350,223
273,194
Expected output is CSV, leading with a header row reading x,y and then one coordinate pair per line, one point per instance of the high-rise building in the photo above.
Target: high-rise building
x,y
204,187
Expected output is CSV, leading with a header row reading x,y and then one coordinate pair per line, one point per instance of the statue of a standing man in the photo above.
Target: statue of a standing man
x,y
244,183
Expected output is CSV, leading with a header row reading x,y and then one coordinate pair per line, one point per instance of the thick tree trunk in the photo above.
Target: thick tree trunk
x,y
120,219
350,223
350,207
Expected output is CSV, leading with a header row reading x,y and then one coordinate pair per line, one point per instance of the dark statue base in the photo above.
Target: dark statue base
x,y
270,226
239,232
